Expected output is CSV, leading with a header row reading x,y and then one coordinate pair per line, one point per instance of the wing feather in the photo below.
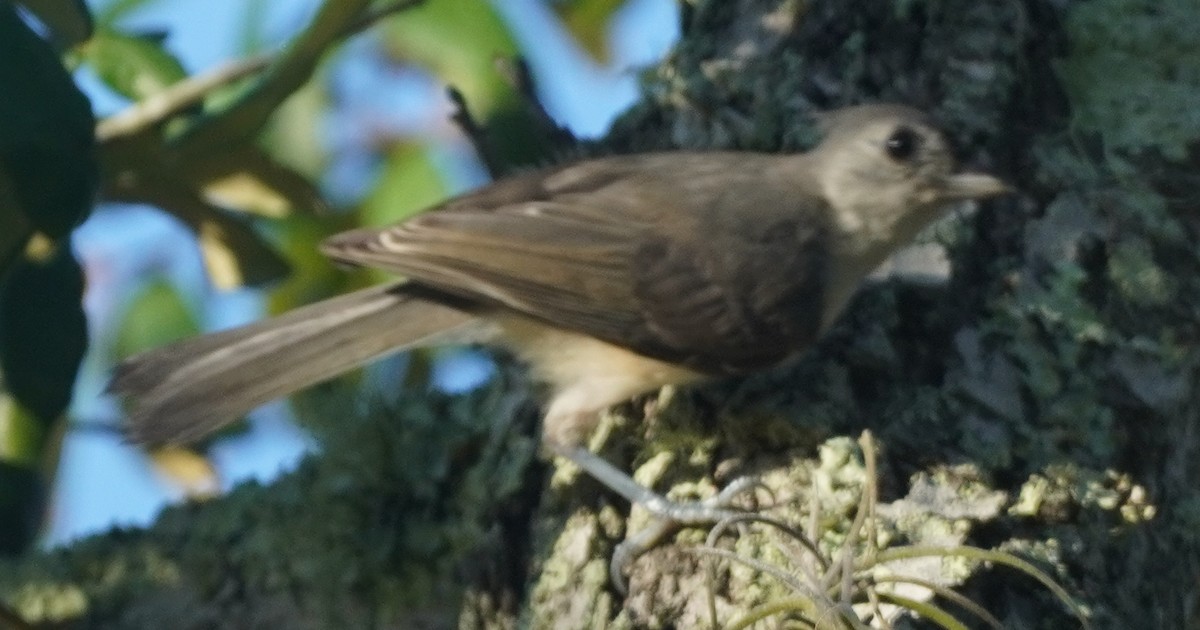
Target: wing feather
x,y
656,254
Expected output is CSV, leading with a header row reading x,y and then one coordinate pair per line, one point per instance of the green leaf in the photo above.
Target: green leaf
x,y
22,436
247,115
114,10
295,136
134,67
588,21
234,254
408,183
188,469
43,331
312,277
460,41
249,180
46,132
69,20
157,315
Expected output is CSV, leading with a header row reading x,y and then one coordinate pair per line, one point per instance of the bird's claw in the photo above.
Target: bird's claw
x,y
669,516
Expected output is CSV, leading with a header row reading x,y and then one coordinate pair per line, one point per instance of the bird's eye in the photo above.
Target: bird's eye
x,y
902,144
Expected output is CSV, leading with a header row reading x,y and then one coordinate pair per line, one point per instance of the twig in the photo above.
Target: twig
x,y
191,91
515,70
841,572
177,98
476,134
292,68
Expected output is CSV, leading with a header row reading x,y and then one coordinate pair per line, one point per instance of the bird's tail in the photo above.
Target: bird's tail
x,y
184,391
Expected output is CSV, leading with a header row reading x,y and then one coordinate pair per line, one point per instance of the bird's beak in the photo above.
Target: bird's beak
x,y
963,186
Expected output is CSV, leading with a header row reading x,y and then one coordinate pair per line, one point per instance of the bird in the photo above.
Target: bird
x,y
610,277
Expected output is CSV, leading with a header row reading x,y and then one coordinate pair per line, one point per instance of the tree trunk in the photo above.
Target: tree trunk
x,y
1040,401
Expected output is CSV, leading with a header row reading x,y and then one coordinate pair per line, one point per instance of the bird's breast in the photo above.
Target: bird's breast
x,y
606,373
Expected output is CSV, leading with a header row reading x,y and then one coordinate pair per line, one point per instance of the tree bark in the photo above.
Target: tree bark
x,y
1040,401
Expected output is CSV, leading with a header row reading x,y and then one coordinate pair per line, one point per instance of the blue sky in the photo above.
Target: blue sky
x,y
102,482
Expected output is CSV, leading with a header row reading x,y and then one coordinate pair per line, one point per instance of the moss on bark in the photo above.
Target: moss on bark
x,y
1044,396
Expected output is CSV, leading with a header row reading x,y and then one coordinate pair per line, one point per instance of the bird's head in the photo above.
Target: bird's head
x,y
887,171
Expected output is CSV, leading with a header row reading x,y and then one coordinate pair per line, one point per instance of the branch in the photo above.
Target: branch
x,y
180,97
157,109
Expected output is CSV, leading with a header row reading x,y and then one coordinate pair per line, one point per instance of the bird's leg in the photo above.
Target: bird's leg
x,y
681,513
573,415
670,515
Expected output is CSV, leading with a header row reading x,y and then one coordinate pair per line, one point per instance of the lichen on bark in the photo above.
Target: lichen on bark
x,y
1045,396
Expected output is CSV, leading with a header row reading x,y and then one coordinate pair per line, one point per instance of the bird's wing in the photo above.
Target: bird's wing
x,y
644,252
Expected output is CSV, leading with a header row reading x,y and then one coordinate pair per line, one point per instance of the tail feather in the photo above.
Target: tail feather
x,y
186,390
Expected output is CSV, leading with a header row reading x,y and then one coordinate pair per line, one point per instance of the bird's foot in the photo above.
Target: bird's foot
x,y
669,515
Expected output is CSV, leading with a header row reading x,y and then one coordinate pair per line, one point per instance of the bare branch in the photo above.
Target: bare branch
x,y
477,135
174,100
